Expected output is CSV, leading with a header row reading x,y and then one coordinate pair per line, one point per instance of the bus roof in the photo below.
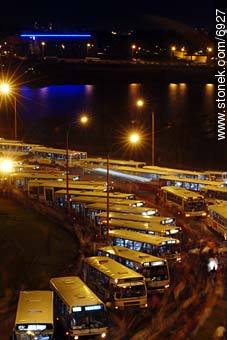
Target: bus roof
x,y
143,238
191,180
35,307
173,171
144,226
46,149
111,268
123,208
117,195
62,184
181,192
214,188
74,292
87,199
220,209
114,161
132,255
137,218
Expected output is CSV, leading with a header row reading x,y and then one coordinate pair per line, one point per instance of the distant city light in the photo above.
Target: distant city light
x,y
209,49
43,35
84,119
133,46
43,43
173,48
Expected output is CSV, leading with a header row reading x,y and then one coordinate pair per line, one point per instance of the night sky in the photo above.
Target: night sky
x,y
102,14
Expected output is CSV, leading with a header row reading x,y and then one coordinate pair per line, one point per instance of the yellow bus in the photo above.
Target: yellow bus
x,y
164,220
185,202
45,190
78,309
166,247
90,199
187,183
34,317
119,286
154,269
217,218
214,194
152,228
112,195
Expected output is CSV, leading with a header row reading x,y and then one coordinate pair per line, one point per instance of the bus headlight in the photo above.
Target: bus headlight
x,y
146,305
166,286
116,307
187,215
76,337
103,335
204,214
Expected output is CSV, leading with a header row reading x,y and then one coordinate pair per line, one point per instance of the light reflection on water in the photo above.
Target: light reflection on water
x,y
184,117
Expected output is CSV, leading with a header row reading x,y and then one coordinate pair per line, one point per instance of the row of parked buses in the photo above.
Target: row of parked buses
x,y
49,155
117,278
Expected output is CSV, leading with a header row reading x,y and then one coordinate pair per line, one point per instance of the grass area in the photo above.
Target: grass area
x,y
32,248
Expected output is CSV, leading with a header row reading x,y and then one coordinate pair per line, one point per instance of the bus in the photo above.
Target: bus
x,y
217,218
217,175
78,309
114,162
166,247
90,199
112,195
34,317
187,183
154,269
119,286
182,201
165,220
179,172
45,190
48,155
214,194
152,228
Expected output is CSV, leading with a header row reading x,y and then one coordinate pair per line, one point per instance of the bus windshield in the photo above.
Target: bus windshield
x,y
91,319
130,291
194,205
170,249
155,273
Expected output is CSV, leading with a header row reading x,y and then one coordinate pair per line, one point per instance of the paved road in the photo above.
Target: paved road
x,y
32,249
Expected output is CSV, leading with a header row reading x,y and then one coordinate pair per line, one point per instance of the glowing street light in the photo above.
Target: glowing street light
x,y
133,48
140,103
6,165
209,49
84,119
173,48
134,138
6,90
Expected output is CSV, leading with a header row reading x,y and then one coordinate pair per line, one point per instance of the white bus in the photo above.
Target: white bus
x,y
78,309
217,218
166,247
154,269
185,202
90,200
34,318
214,194
119,286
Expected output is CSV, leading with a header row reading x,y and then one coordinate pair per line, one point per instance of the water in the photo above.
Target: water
x,y
185,120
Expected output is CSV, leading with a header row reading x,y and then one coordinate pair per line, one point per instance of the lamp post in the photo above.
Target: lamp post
x,y
6,90
140,104
43,44
83,120
133,48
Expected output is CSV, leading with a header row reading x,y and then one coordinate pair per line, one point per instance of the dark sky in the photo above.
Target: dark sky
x,y
104,13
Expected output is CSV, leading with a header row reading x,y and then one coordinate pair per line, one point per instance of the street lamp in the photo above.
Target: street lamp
x,y
134,138
83,120
6,90
133,48
6,165
140,103
43,44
